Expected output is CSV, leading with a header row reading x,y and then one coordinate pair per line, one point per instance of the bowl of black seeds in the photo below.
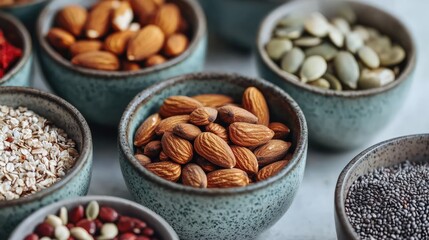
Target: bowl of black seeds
x,y
383,193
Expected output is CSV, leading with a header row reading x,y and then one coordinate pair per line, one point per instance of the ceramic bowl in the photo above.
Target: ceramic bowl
x,y
123,206
26,12
236,213
391,152
17,34
76,181
102,96
346,119
237,21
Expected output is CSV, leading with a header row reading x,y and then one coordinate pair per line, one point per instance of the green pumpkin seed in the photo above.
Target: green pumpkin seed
x,y
80,234
289,32
392,57
92,210
353,42
380,44
369,57
320,83
292,20
347,13
62,233
333,81
326,50
376,78
53,220
347,69
373,33
277,47
293,60
336,37
341,24
362,32
307,41
313,68
317,25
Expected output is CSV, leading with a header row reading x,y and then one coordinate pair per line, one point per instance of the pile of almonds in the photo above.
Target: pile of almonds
x,y
120,35
209,141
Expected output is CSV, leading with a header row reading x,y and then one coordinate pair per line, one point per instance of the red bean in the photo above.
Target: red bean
x,y
32,237
125,224
148,231
88,225
127,236
76,214
139,223
142,238
70,225
44,230
108,214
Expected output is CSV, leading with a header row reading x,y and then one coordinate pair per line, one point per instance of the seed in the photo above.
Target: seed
x,y
307,41
326,50
347,13
44,230
353,42
88,225
320,83
62,233
334,83
108,214
380,44
277,47
375,78
347,69
293,60
80,234
32,237
362,32
109,231
336,37
317,25
369,57
289,32
92,210
392,57
341,24
291,21
313,68
54,221
64,215
76,214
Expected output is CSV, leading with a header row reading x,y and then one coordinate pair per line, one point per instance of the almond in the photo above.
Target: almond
x,y
167,18
176,44
60,39
144,9
178,105
130,66
163,156
98,22
178,149
203,116
159,2
186,131
147,42
122,16
84,46
254,102
213,100
272,151
72,18
152,149
271,170
205,165
168,170
193,175
226,178
155,60
246,160
281,131
146,131
99,60
230,114
143,160
218,130
117,42
214,149
249,135
168,124
134,27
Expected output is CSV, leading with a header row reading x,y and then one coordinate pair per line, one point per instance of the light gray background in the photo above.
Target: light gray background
x,y
311,215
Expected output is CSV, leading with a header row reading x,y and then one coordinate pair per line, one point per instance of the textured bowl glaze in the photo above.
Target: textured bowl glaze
x,y
236,213
102,96
347,119
76,181
26,12
237,21
17,34
123,206
391,152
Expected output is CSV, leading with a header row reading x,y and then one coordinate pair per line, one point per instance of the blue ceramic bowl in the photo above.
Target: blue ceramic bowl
x,y
384,154
123,206
26,12
347,119
102,96
76,181
237,21
17,34
236,213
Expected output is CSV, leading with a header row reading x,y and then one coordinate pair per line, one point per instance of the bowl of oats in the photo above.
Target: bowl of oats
x,y
45,153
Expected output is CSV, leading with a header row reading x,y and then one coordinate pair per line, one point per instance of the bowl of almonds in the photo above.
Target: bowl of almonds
x,y
94,217
45,153
349,65
207,150
99,54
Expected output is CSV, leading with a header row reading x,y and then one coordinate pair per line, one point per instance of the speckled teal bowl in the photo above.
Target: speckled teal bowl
x,y
26,12
347,119
17,34
228,214
102,96
414,148
76,181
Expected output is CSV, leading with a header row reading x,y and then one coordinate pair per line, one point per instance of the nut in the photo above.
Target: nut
x,y
254,102
72,18
167,18
122,16
147,42
155,60
214,149
144,9
130,66
203,116
176,44
84,46
246,160
143,160
117,42
205,165
231,114
178,105
271,170
99,60
146,131
272,151
98,21
281,131
153,149
178,149
186,131
218,130
193,175
213,100
249,135
60,39
168,170
168,124
226,178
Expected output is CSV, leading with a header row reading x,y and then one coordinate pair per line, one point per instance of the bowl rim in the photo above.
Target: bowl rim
x,y
24,35
146,95
199,33
339,197
81,161
153,216
22,5
292,79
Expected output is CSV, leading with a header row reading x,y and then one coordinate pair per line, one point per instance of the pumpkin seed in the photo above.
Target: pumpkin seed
x,y
341,24
396,70
376,78
320,83
45,238
80,234
62,233
326,50
347,69
373,33
277,47
292,20
307,41
293,60
392,57
317,25
64,215
380,44
53,220
313,68
369,57
108,231
334,83
347,13
92,210
336,37
289,32
362,32
353,42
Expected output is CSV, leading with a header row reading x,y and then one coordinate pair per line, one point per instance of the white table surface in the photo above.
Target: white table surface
x,y
311,215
